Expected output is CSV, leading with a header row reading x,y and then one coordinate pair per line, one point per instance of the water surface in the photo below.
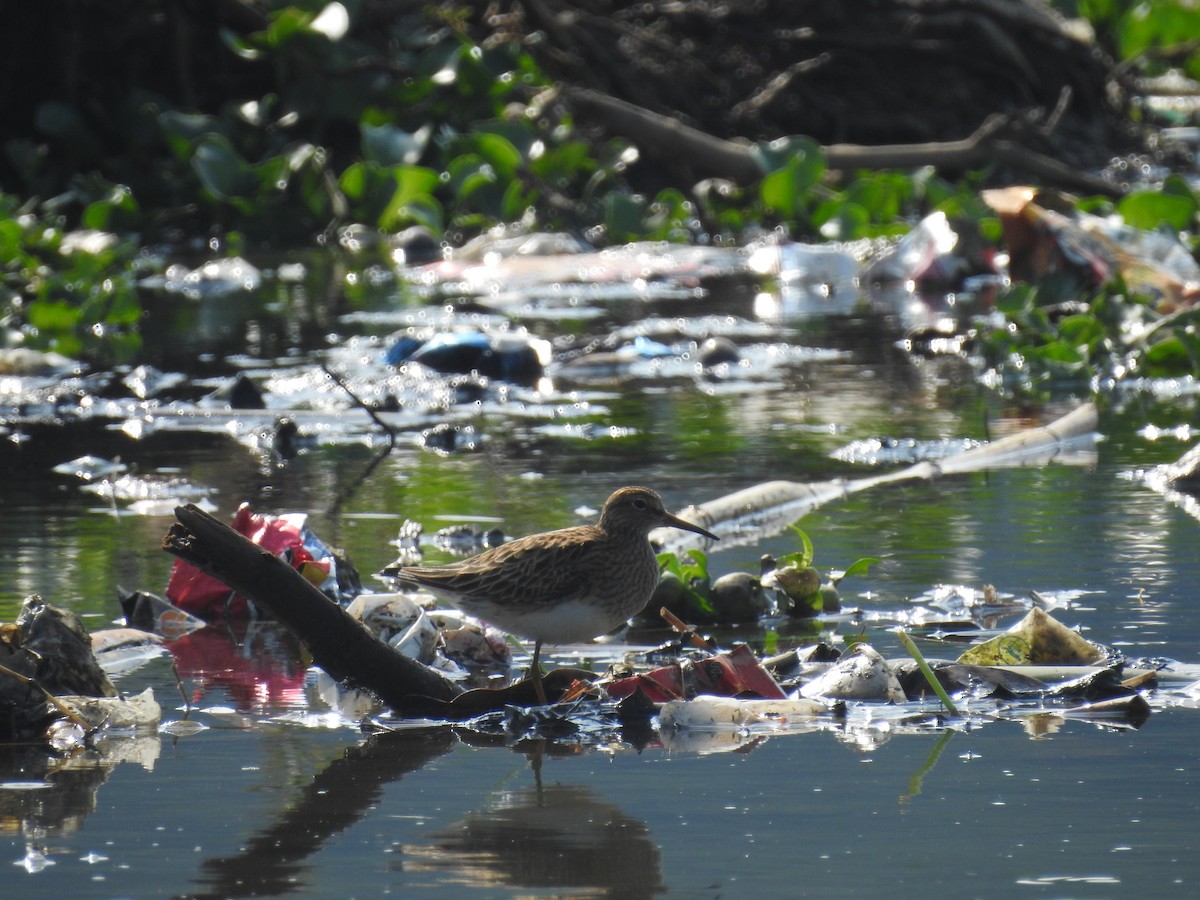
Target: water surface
x,y
270,801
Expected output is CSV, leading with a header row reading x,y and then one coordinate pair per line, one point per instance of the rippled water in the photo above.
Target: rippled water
x,y
273,799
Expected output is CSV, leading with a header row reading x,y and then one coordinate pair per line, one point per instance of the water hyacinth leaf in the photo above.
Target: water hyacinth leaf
x,y
780,193
240,45
499,152
354,180
439,64
623,216
52,316
425,211
516,201
691,572
221,169
785,187
414,181
882,194
123,307
695,566
844,221
1082,330
286,23
11,238
272,174
391,146
381,194
181,130
802,154
1016,299
1063,353
559,165
116,212
1151,210
1168,357
802,558
1146,26
413,187
861,566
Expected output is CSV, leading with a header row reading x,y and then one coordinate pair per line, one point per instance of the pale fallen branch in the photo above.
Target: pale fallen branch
x,y
748,515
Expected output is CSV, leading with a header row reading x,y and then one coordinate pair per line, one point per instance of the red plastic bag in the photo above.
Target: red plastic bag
x,y
725,675
202,595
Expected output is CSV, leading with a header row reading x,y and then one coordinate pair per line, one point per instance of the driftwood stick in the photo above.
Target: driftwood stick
x,y
672,142
339,643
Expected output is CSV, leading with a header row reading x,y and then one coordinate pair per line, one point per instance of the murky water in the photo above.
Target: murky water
x,y
267,802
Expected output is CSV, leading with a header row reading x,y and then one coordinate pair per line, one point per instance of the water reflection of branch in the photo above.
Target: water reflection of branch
x,y
338,797
379,457
918,777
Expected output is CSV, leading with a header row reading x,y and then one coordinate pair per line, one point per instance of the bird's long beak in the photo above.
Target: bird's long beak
x,y
675,522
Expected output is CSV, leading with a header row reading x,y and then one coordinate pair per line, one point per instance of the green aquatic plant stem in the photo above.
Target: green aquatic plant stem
x,y
918,778
915,653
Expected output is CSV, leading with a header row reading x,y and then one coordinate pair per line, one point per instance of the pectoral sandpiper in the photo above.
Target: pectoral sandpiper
x,y
562,586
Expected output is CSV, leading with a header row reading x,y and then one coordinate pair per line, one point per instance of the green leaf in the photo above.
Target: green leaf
x,y
390,146
1167,357
850,222
689,575
221,169
286,24
354,180
779,193
412,198
623,216
792,166
798,151
52,315
499,152
181,130
1082,330
1151,210
860,566
116,212
123,307
801,559
239,44
559,165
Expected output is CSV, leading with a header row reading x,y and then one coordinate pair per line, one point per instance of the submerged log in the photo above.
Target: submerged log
x,y
338,643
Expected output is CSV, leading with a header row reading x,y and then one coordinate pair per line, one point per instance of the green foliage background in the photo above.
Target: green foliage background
x,y
279,123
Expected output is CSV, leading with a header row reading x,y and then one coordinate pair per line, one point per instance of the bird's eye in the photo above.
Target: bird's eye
x,y
639,503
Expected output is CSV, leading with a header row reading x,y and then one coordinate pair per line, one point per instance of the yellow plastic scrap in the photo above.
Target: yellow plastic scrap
x,y
1038,639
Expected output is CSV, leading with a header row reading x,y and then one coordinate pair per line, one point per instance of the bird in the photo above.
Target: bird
x,y
564,586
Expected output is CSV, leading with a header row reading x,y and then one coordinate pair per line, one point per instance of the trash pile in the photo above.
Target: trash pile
x,y
56,685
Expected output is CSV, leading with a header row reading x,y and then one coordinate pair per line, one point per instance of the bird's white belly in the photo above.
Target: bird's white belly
x,y
561,623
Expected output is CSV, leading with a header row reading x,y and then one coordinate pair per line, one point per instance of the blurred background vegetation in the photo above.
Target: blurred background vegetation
x,y
225,123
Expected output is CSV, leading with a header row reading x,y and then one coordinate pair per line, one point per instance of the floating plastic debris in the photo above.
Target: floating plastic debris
x,y
215,278
1037,638
89,468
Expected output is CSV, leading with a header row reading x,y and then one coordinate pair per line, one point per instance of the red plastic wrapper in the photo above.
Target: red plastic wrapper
x,y
202,595
726,675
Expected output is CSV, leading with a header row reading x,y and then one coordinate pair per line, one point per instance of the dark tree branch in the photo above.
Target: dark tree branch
x,y
338,643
